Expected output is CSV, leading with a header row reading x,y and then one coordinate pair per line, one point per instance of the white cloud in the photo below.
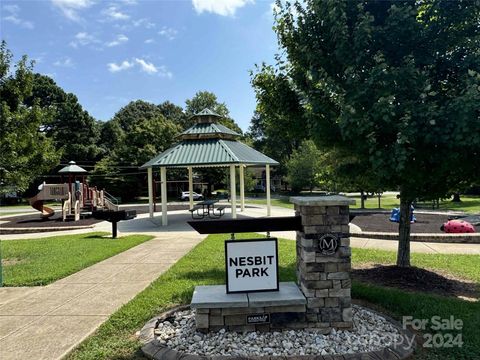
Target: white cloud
x,y
83,38
65,62
11,8
149,41
124,65
13,17
219,7
143,22
163,72
113,13
71,8
147,67
168,33
119,40
143,65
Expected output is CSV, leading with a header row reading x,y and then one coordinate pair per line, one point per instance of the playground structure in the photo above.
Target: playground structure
x,y
78,198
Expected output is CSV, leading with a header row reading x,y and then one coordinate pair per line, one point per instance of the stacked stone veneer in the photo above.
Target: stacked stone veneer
x,y
216,310
324,279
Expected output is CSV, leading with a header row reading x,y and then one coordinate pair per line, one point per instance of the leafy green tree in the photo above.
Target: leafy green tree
x,y
136,133
395,84
25,151
279,124
304,167
71,127
173,113
139,131
206,99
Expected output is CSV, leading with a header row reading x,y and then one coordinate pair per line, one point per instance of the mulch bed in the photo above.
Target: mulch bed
x,y
426,223
416,279
35,221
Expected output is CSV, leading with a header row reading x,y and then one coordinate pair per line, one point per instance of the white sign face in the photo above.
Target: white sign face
x,y
251,265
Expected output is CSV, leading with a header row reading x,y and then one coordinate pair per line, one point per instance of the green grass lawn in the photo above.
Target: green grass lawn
x,y
41,261
282,202
205,265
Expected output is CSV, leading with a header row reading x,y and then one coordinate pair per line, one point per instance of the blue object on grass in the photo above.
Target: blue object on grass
x,y
395,215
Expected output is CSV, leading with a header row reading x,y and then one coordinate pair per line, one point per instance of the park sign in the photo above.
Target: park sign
x,y
251,265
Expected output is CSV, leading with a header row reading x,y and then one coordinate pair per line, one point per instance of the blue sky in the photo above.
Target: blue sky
x,y
111,52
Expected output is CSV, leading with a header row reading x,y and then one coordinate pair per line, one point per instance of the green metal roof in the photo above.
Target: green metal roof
x,y
72,168
209,128
207,112
209,152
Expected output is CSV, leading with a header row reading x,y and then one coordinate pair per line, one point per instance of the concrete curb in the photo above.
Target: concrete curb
x,y
28,230
469,238
156,351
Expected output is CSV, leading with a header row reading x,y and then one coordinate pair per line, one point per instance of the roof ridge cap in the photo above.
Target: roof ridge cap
x,y
227,149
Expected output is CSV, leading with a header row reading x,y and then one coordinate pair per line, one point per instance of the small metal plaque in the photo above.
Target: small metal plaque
x,y
258,319
328,244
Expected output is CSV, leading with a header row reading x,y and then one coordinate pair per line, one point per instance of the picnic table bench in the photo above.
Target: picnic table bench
x,y
207,208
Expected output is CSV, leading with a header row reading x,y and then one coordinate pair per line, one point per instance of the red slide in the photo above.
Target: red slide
x,y
45,210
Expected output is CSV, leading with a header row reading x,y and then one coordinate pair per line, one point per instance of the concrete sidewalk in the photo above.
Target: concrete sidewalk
x,y
48,322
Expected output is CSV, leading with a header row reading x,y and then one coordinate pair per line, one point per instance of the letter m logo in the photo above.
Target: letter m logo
x,y
328,244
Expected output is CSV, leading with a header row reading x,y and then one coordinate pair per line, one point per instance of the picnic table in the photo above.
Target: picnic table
x,y
206,208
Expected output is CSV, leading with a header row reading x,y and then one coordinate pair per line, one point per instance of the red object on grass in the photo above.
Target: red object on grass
x,y
458,226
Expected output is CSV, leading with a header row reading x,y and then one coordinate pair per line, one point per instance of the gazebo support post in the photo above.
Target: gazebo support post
x,y
163,178
150,192
242,188
190,186
267,189
233,192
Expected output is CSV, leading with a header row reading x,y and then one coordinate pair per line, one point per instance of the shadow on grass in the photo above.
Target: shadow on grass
x,y
417,279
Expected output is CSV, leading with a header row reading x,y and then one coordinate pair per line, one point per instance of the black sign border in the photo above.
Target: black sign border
x,y
275,240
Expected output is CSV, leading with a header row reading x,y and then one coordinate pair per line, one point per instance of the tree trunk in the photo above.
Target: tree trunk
x,y
456,197
379,201
403,255
362,200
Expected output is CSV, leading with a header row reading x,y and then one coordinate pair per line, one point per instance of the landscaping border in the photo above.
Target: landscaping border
x,y
153,349
29,230
468,238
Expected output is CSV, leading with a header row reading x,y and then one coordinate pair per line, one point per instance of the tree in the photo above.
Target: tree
x,y
174,113
72,129
206,99
395,84
304,167
136,133
279,124
25,151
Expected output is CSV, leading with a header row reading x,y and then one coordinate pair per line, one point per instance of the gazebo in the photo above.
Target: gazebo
x,y
207,144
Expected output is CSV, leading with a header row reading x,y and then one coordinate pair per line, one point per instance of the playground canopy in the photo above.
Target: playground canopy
x,y
72,168
207,144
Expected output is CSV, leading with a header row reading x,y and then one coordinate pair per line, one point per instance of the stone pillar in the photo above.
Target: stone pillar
x,y
324,260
